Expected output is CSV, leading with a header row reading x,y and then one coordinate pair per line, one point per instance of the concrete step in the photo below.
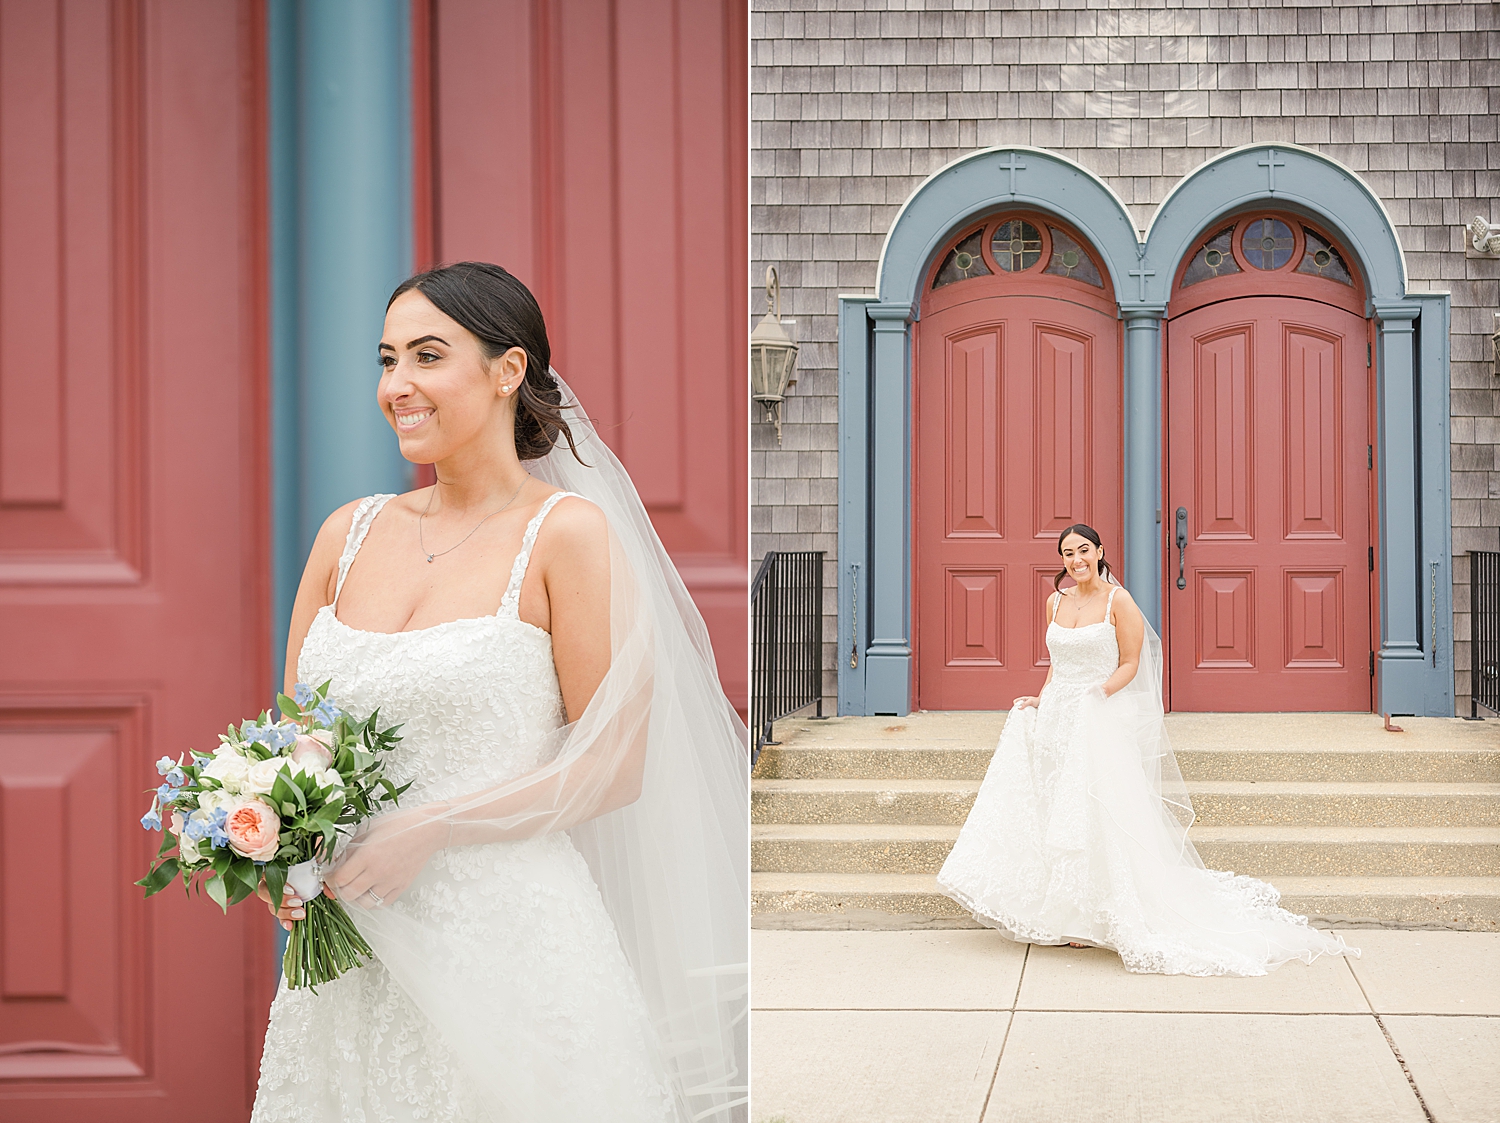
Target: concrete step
x,y
845,900
1261,851
1217,802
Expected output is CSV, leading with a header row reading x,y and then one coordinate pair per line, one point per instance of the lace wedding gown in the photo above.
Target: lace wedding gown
x,y
477,697
1070,839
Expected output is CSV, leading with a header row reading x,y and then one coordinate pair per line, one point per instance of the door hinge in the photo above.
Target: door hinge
x,y
1372,664
1369,356
1370,457
1372,559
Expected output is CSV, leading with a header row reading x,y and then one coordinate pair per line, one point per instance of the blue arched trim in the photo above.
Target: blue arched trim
x,y
1411,365
983,182
1284,177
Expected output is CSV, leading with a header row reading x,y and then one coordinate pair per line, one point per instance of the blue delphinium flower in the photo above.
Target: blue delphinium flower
x,y
165,765
195,829
327,712
176,778
303,694
278,737
151,820
216,833
165,793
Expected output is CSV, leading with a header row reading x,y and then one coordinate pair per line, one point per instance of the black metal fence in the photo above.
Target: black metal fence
x,y
786,642
1484,631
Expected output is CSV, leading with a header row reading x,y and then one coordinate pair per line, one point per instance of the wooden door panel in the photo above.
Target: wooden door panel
x,y
1314,625
1222,491
1268,405
1314,483
134,583
1064,449
68,400
975,479
975,617
1018,436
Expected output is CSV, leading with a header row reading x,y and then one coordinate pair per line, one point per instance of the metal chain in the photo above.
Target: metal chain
x,y
1434,612
466,537
854,622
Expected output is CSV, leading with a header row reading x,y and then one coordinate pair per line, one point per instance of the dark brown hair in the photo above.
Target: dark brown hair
x,y
1093,536
502,313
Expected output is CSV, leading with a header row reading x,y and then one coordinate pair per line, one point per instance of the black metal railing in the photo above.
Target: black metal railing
x,y
1484,631
786,641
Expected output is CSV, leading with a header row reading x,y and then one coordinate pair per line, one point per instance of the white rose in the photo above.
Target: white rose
x,y
212,800
329,778
188,852
262,775
229,768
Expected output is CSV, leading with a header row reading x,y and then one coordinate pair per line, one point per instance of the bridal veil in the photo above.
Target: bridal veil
x,y
671,863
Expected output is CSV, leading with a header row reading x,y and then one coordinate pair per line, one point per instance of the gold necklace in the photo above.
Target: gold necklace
x,y
466,537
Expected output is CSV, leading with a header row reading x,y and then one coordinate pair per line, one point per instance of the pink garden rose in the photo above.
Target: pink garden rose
x,y
254,830
312,751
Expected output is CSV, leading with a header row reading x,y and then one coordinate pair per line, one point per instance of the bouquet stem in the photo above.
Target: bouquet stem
x,y
323,945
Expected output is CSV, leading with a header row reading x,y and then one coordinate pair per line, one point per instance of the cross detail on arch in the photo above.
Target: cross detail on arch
x,y
1143,274
1271,163
1012,165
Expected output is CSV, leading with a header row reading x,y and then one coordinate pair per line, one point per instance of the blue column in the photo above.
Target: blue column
x,y
1143,460
888,656
1401,655
854,501
340,241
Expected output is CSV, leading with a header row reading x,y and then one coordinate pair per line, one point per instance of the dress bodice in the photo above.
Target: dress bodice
x,y
1084,656
477,698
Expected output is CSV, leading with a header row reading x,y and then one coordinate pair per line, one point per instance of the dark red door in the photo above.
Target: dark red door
x,y
1018,435
133,553
1267,454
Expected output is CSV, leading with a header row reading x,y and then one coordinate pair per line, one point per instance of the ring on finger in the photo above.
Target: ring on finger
x,y
379,900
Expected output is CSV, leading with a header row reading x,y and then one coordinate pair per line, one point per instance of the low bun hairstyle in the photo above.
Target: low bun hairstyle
x,y
502,313
1093,536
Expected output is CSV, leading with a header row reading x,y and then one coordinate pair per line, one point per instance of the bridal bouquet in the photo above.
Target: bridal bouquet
x,y
272,802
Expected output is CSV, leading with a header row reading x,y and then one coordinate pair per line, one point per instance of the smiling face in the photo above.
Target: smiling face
x,y
1080,557
437,388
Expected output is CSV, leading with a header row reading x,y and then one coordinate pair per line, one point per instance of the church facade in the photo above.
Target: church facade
x,y
1198,278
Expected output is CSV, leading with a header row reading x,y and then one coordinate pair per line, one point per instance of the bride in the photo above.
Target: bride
x,y
559,908
1079,832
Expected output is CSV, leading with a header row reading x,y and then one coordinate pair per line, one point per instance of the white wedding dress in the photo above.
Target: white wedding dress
x,y
476,698
1072,838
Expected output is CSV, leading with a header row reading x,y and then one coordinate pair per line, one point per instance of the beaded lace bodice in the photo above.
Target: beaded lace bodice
x,y
476,697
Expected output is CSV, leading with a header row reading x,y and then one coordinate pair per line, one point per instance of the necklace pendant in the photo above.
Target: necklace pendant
x,y
429,558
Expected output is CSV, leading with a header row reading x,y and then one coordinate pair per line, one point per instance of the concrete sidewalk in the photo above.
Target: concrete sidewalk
x,y
962,1026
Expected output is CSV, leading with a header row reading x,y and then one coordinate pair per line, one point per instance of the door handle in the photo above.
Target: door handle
x,y
1181,547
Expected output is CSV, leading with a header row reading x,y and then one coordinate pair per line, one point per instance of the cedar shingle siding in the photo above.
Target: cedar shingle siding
x,y
854,103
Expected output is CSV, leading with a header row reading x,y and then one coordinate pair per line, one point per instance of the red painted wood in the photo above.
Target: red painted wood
x,y
1018,435
1268,422
133,597
605,165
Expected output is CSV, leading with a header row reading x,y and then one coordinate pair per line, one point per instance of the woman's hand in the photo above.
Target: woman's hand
x,y
291,905
381,862
1027,702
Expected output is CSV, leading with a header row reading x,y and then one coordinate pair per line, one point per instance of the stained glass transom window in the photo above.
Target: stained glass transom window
x,y
1069,260
1017,245
1321,258
1268,243
1213,259
963,261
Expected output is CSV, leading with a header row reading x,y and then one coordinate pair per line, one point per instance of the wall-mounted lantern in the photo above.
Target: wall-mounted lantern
x,y
773,355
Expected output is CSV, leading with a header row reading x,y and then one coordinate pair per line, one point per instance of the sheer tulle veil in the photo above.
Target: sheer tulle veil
x,y
672,865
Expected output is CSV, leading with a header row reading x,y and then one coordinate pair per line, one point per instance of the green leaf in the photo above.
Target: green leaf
x,y
243,869
239,891
222,859
160,877
275,875
217,890
288,706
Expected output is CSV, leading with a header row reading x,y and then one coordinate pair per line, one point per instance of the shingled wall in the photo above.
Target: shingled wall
x,y
855,102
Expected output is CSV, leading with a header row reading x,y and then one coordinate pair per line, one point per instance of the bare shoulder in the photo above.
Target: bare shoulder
x,y
575,527
1123,600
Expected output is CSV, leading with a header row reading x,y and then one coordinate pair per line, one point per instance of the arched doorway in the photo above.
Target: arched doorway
x,y
1270,462
1017,427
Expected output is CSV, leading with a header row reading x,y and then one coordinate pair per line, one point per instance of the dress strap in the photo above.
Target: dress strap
x,y
1056,600
359,526
510,603
1108,604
